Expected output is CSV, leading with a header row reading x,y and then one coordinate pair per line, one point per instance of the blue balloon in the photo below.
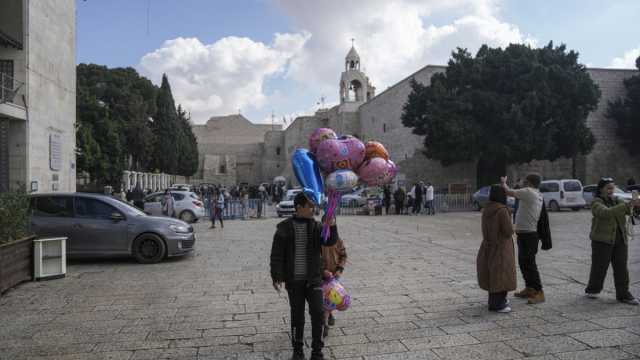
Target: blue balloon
x,y
305,166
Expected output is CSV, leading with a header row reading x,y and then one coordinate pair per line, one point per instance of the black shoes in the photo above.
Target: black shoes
x,y
332,320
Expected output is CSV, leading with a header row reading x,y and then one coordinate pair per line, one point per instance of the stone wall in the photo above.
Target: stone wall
x,y
607,158
380,120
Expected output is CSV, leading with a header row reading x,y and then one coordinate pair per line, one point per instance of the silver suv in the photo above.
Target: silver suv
x,y
99,225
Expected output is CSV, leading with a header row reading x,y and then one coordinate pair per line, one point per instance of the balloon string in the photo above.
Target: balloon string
x,y
332,204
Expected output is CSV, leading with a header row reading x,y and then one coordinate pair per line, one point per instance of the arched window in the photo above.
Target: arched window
x,y
278,150
384,127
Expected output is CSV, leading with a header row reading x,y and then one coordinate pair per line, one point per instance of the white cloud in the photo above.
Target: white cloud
x,y
220,78
393,38
627,61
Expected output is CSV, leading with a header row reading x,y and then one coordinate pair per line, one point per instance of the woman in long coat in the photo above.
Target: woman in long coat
x,y
496,261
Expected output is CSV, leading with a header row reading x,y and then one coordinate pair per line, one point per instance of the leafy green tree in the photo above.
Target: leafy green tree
x,y
626,113
504,106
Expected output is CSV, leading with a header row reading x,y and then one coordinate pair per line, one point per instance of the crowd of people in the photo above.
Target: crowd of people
x,y
421,196
301,259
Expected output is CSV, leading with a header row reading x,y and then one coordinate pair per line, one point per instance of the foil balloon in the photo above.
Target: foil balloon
x,y
334,295
377,171
341,181
307,172
318,136
375,149
356,150
340,154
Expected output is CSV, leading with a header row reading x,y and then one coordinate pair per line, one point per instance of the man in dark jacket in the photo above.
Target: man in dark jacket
x,y
296,261
399,197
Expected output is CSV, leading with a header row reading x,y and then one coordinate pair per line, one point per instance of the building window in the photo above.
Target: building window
x,y
278,150
384,127
222,169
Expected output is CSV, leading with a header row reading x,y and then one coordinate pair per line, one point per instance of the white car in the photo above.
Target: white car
x,y
188,206
285,207
562,194
589,193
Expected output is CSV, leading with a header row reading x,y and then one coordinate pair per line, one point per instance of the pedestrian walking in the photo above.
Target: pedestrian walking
x,y
429,197
527,218
217,208
610,242
168,204
399,198
417,197
386,198
296,261
138,197
496,262
335,259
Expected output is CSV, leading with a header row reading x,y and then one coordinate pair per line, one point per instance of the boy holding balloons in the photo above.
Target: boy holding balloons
x,y
335,259
296,261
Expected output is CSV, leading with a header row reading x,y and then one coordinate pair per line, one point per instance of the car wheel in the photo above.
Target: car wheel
x,y
187,216
477,206
553,206
149,249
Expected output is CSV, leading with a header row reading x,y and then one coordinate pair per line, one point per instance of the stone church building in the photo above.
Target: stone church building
x,y
233,150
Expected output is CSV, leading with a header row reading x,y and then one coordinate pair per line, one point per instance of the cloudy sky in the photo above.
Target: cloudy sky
x,y
281,56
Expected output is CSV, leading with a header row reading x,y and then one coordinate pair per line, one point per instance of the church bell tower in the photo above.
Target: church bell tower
x,y
354,84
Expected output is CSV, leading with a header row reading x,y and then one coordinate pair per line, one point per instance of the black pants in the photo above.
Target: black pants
x,y
299,292
497,301
417,206
387,205
430,209
398,207
216,213
601,255
527,250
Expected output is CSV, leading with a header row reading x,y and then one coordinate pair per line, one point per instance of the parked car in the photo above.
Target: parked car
x,y
359,197
481,198
563,194
181,187
285,207
589,193
630,188
99,225
189,208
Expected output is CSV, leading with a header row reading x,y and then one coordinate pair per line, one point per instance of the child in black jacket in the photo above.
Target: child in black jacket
x,y
296,261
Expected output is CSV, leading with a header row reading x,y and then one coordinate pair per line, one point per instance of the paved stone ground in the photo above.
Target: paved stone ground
x,y
414,297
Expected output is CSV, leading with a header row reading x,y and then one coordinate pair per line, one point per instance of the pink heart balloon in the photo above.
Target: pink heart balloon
x,y
340,154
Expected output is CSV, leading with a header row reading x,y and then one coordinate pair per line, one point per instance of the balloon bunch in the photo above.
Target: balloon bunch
x,y
334,295
345,161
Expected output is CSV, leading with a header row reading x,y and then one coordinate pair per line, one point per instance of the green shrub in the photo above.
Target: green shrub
x,y
14,216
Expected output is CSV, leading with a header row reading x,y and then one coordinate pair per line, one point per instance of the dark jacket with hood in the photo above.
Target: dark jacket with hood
x,y
283,251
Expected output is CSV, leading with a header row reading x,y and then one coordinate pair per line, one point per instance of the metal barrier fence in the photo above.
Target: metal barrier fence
x,y
441,203
254,208
238,209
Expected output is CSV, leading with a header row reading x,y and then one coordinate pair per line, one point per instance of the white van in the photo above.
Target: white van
x,y
562,194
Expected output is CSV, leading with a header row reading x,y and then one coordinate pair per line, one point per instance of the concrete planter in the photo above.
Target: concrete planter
x,y
16,263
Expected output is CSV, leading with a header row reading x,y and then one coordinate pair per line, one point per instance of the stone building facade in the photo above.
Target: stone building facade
x,y
37,95
262,153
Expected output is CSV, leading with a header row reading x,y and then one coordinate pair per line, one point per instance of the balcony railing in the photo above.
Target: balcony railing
x,y
9,88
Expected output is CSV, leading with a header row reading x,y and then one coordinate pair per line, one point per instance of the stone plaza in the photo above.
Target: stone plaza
x,y
414,296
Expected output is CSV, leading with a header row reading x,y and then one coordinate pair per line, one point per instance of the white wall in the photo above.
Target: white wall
x,y
51,91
